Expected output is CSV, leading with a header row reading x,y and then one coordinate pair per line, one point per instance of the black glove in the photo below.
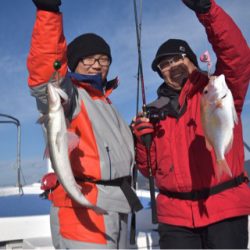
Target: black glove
x,y
199,6
49,5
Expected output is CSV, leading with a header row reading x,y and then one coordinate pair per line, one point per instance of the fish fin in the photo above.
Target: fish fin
x,y
222,166
218,104
46,154
99,210
42,120
230,144
208,145
203,104
235,116
79,186
62,94
58,140
67,122
73,141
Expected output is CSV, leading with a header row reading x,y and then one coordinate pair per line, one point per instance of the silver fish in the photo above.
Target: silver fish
x,y
218,116
57,139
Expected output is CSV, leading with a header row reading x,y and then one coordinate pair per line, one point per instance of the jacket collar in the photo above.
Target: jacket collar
x,y
171,96
94,83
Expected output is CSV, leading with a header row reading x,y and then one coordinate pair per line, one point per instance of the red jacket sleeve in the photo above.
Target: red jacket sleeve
x,y
47,45
141,159
231,49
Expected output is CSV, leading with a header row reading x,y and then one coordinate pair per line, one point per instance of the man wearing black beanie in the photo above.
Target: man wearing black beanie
x,y
197,207
86,45
102,161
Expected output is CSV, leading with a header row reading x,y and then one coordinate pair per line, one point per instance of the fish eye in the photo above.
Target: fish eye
x,y
205,92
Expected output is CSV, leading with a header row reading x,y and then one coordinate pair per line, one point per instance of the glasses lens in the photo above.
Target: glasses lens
x,y
89,61
104,61
167,62
164,64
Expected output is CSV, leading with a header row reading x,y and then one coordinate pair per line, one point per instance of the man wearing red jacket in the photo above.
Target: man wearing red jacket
x,y
194,208
102,161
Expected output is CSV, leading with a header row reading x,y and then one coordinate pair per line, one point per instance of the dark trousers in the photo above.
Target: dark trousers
x,y
227,234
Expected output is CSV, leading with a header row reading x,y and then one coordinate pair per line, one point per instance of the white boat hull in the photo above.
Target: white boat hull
x,y
21,228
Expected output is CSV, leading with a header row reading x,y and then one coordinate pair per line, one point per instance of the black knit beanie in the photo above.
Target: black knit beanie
x,y
86,45
173,47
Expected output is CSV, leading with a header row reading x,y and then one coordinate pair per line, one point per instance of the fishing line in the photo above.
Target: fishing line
x,y
205,57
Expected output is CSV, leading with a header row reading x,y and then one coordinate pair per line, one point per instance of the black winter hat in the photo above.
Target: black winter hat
x,y
173,47
86,45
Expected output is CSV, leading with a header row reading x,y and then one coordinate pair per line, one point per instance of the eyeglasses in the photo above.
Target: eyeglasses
x,y
166,63
89,61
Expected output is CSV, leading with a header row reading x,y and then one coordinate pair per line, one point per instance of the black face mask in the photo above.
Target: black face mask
x,y
179,74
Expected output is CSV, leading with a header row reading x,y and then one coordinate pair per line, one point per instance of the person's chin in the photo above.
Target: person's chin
x,y
175,85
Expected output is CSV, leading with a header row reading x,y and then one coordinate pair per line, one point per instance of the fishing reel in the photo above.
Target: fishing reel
x,y
163,107
156,115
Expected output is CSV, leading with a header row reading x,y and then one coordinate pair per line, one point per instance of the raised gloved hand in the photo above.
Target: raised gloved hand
x,y
49,5
199,6
141,126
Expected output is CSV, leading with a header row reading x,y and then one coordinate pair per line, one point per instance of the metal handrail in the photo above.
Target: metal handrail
x,y
15,121
246,146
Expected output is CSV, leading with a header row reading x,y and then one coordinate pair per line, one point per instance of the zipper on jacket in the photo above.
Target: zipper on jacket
x,y
110,173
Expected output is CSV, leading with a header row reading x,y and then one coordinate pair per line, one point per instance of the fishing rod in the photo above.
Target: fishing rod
x,y
135,171
138,70
138,39
147,139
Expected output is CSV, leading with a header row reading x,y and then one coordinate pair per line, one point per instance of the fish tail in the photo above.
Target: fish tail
x,y
46,154
73,141
223,167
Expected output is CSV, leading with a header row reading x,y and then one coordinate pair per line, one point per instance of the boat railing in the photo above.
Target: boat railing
x,y
8,119
246,146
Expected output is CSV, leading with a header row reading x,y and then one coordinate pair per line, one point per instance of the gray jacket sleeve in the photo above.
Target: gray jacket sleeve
x,y
71,108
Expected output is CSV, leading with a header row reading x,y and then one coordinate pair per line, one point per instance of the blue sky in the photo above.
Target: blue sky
x,y
114,20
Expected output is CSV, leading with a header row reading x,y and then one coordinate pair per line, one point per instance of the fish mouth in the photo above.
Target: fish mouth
x,y
224,96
